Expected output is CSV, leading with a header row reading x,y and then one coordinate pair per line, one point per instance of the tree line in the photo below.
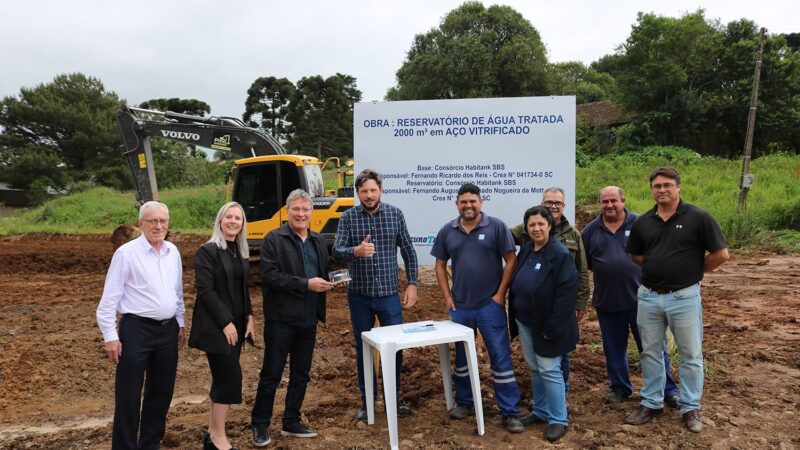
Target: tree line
x,y
681,81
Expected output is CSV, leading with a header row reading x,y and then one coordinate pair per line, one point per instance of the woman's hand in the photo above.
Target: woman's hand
x,y
230,333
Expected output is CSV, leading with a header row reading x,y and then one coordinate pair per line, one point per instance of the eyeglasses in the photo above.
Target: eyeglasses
x,y
665,186
297,209
551,204
162,222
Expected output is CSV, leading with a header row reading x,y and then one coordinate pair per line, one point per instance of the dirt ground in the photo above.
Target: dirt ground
x,y
56,386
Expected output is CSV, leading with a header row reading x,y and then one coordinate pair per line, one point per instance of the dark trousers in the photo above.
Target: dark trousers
x,y
281,340
149,352
614,328
363,310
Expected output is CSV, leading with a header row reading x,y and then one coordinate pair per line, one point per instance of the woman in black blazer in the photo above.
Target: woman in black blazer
x,y
223,315
542,299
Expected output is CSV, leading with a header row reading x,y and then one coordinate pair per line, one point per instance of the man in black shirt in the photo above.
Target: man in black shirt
x,y
294,265
670,242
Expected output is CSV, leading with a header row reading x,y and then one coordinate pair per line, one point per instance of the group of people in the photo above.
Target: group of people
x,y
647,271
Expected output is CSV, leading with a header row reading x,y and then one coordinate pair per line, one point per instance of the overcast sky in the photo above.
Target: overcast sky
x,y
214,50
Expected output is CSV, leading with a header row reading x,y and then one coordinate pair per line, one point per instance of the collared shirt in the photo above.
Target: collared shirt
x,y
616,276
674,251
310,264
143,282
375,276
477,258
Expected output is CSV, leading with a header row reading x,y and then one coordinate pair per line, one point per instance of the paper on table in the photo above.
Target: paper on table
x,y
416,327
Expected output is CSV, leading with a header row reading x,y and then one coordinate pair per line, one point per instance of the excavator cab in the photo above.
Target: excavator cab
x,y
261,185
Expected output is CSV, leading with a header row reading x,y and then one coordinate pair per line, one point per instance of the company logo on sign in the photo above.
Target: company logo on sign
x,y
426,241
180,135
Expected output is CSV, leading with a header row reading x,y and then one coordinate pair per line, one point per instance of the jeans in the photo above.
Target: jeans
x,y
281,341
549,396
363,310
492,322
682,311
615,327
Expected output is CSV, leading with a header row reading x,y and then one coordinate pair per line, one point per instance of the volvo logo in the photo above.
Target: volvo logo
x,y
180,135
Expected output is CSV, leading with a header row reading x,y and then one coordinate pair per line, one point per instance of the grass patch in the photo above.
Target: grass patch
x,y
100,210
771,220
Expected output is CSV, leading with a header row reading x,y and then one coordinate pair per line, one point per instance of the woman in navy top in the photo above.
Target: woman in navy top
x,y
542,311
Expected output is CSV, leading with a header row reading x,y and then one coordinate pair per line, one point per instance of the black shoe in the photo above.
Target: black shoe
x,y
531,419
403,409
555,431
297,429
361,414
207,444
261,435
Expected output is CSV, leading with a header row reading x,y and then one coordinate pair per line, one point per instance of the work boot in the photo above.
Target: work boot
x,y
531,419
614,397
555,431
672,401
691,419
643,415
403,409
513,424
462,411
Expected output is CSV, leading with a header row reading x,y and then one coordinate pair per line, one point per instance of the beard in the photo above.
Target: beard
x,y
371,209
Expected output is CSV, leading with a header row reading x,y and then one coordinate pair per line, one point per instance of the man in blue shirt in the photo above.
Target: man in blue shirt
x,y
616,280
477,245
367,238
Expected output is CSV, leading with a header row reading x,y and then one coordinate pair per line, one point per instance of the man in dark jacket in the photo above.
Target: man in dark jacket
x,y
294,264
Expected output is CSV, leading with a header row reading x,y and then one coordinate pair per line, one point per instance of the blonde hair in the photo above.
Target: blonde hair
x,y
241,238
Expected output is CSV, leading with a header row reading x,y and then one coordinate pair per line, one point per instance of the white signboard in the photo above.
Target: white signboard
x,y
512,148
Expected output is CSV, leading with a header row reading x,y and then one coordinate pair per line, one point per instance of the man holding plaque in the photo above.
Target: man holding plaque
x,y
294,264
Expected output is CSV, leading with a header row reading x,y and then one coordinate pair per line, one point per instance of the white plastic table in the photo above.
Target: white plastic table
x,y
388,340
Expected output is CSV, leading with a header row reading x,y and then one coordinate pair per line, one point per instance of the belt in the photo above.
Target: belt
x,y
659,290
157,322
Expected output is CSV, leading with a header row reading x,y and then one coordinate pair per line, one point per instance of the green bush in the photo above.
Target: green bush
x,y
710,183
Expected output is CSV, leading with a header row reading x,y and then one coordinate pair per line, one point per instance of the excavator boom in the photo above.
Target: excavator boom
x,y
227,134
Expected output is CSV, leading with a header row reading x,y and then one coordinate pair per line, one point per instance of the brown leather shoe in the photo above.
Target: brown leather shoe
x,y
691,420
643,415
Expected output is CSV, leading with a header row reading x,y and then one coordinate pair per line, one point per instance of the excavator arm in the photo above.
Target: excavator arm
x,y
227,134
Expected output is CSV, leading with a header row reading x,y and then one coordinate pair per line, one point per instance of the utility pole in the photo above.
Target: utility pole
x,y
746,181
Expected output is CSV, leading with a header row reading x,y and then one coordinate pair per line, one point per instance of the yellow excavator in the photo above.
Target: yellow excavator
x,y
260,181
